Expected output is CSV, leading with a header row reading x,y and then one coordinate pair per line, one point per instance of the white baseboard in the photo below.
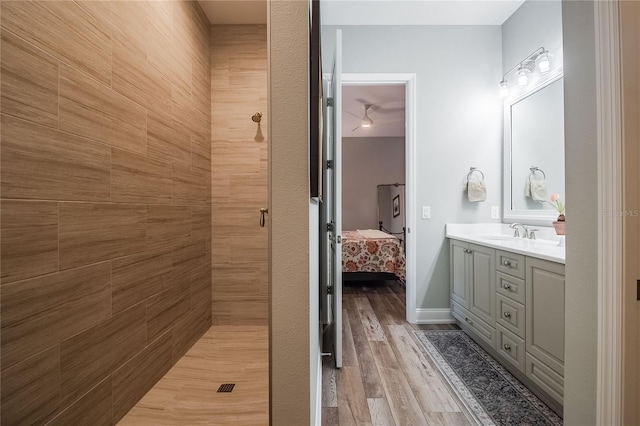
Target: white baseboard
x,y
434,316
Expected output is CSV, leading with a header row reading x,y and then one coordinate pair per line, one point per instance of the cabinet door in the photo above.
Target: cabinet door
x,y
545,312
482,294
460,266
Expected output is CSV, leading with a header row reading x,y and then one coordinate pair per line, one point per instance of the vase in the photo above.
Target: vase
x,y
559,227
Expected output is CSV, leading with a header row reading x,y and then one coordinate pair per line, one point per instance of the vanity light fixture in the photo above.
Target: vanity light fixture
x,y
523,77
544,62
504,89
540,57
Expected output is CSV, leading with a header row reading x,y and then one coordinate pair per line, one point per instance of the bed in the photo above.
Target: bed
x,y
372,250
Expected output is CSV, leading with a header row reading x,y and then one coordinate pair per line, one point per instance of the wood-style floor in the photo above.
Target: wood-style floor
x,y
187,394
386,379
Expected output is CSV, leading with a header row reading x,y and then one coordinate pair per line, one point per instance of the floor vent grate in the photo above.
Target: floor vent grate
x,y
226,387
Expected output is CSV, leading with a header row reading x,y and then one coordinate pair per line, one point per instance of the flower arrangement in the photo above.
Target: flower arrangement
x,y
558,205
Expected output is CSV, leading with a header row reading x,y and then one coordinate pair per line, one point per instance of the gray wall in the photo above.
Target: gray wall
x,y
582,219
459,125
368,162
535,24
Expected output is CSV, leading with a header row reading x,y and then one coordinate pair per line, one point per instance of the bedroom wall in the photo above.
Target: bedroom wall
x,y
368,162
239,173
459,125
105,203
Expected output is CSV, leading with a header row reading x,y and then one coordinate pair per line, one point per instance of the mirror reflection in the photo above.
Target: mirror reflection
x,y
537,149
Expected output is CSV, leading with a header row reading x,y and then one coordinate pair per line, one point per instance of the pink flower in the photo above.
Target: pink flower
x,y
557,204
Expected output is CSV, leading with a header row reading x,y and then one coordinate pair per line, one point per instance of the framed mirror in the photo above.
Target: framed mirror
x,y
534,153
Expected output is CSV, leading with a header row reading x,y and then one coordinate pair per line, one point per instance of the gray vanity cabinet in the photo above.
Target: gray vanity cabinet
x,y
545,325
460,272
482,288
473,282
514,306
473,287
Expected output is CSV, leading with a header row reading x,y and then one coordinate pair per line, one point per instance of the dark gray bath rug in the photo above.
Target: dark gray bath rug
x,y
492,395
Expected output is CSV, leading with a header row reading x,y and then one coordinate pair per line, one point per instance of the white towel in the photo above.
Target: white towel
x,y
374,234
476,191
527,188
538,190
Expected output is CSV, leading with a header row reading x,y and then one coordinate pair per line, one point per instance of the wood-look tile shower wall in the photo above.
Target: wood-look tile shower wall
x,y
105,224
239,172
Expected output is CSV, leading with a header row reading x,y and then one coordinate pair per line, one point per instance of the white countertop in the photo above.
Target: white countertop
x,y
500,236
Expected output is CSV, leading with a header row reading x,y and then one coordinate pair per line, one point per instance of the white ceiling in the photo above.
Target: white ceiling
x,y
234,12
417,12
387,111
374,12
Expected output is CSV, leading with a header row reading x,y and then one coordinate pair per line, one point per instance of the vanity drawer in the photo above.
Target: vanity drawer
x,y
510,263
544,377
510,347
510,315
475,325
511,287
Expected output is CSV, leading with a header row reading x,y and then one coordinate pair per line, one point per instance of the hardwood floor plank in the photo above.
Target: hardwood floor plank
x,y
372,327
385,312
330,416
370,378
352,406
400,384
349,357
402,402
447,419
398,303
329,389
380,412
427,386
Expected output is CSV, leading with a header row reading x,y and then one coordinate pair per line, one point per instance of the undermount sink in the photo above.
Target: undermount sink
x,y
497,237
546,245
518,240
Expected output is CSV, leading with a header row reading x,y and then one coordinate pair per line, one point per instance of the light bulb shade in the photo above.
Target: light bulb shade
x,y
544,62
523,77
504,89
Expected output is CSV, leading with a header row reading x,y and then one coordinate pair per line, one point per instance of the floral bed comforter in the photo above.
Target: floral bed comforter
x,y
360,254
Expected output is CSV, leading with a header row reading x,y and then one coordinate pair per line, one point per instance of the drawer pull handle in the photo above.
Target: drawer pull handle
x,y
468,320
507,263
507,314
507,286
507,347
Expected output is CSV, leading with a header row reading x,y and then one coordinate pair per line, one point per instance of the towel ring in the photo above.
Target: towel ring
x,y
534,170
473,170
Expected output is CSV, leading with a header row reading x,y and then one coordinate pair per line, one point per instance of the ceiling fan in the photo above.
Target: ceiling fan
x,y
365,120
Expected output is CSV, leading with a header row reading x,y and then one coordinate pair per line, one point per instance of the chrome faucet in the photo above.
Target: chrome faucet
x,y
516,232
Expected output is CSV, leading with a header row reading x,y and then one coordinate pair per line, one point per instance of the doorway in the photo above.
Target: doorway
x,y
384,111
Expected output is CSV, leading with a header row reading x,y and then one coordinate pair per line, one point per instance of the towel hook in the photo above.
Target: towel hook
x,y
473,170
535,169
